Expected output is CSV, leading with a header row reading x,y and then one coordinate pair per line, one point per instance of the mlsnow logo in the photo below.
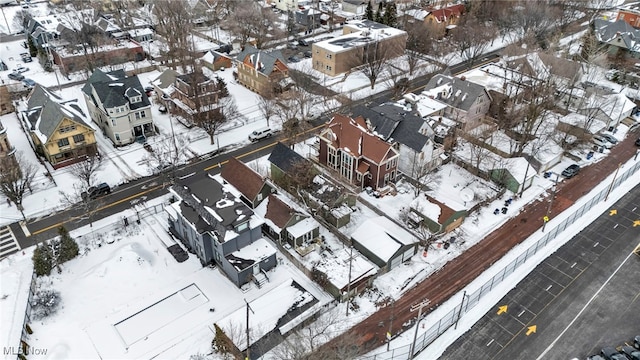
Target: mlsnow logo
x,y
18,350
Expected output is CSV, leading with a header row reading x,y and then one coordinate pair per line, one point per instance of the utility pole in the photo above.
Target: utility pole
x,y
393,303
612,181
349,281
418,307
248,347
464,296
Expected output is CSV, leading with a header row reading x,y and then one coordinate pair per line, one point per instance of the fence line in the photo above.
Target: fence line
x,y
471,300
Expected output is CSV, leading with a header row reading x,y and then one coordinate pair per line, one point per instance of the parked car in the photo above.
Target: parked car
x,y
260,134
28,82
610,353
308,54
631,352
3,66
571,171
600,141
292,46
636,340
610,138
595,357
293,59
95,192
26,57
303,42
21,69
16,76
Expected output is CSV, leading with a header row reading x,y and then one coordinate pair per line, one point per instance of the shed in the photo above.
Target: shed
x,y
384,243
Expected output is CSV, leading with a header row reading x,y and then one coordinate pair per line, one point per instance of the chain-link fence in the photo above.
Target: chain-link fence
x,y
471,300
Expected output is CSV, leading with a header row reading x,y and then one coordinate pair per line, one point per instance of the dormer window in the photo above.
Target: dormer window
x,y
135,99
242,227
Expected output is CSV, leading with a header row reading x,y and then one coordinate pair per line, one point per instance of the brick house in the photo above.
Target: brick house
x,y
356,154
72,58
262,71
6,149
341,54
193,94
58,128
215,60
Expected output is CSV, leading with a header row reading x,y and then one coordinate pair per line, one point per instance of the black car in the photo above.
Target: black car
x,y
307,54
294,59
95,192
571,171
631,352
303,42
611,353
16,76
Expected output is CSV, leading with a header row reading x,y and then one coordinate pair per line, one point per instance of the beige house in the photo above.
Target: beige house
x,y
262,71
361,40
58,128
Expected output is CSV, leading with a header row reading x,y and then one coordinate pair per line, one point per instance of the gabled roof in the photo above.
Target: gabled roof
x,y
166,79
262,60
382,237
607,31
115,88
284,158
209,206
212,56
453,91
444,14
45,111
243,178
352,136
278,212
395,123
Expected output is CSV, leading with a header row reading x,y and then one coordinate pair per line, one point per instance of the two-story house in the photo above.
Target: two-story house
x,y
119,105
286,223
219,228
194,96
411,135
356,154
444,17
467,102
618,37
361,40
58,128
262,71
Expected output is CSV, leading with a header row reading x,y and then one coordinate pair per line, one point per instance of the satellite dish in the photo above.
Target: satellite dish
x,y
467,195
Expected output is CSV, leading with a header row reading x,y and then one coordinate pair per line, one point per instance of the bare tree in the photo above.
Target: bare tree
x,y
251,21
471,38
375,57
166,152
268,108
421,40
86,170
16,177
213,120
173,24
301,344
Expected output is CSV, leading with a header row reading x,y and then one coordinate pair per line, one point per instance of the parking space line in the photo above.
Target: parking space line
x,y
521,312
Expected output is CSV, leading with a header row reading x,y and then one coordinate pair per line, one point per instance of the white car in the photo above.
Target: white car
x,y
600,141
21,69
260,134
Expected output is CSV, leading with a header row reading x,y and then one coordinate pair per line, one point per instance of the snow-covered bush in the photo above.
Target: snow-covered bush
x,y
45,303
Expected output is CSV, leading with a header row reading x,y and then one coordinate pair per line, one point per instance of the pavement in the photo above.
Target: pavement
x,y
587,286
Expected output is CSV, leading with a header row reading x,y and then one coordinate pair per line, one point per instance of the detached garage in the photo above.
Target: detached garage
x,y
384,243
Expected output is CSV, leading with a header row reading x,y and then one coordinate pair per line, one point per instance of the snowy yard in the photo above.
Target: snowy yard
x,y
128,298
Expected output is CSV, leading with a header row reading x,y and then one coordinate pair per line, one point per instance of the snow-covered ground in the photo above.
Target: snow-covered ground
x,y
126,297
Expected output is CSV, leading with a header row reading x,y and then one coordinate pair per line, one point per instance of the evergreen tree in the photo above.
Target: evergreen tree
x,y
221,344
378,17
390,15
368,12
42,260
68,246
222,87
33,50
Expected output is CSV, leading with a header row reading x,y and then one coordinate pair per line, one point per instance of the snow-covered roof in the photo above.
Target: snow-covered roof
x,y
364,31
382,237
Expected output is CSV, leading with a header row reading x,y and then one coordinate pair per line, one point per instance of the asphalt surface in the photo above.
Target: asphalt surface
x,y
582,298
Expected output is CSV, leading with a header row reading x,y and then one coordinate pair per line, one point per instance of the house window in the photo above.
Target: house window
x,y
392,163
113,122
332,159
135,99
67,128
259,197
118,137
358,176
242,227
328,56
140,115
347,166
328,67
63,142
78,138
